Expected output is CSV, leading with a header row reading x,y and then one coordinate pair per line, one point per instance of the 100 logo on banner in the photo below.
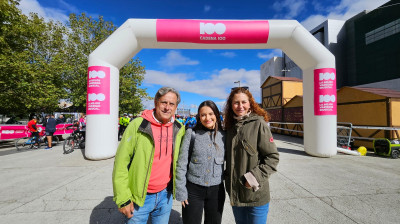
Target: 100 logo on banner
x,y
210,28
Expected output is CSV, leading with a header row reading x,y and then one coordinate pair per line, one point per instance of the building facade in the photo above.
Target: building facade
x,y
366,48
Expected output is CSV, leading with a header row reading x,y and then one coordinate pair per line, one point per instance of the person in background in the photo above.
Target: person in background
x,y
145,163
251,157
44,120
131,117
82,125
190,122
179,118
32,127
123,123
50,129
60,119
200,168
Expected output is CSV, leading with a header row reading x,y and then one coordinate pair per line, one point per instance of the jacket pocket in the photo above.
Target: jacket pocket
x,y
248,148
247,195
196,167
218,167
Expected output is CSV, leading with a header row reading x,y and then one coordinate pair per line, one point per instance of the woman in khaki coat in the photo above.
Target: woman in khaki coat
x,y
251,157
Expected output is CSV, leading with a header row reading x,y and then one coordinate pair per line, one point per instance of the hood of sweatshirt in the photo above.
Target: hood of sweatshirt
x,y
163,138
149,115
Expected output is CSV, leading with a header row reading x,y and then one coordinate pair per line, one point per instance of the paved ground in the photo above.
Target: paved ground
x,y
45,186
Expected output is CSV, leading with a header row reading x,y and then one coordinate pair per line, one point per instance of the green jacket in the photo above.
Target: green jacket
x,y
249,148
134,159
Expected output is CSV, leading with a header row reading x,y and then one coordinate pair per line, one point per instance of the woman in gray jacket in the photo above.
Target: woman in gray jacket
x,y
199,185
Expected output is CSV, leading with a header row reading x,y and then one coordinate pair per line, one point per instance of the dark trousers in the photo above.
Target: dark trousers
x,y
121,131
36,137
210,199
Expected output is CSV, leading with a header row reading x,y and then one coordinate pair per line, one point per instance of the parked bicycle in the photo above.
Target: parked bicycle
x,y
75,140
29,143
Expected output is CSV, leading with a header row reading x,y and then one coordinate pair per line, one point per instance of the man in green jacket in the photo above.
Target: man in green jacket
x,y
145,163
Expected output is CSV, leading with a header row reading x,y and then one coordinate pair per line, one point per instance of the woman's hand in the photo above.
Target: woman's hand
x,y
247,185
127,210
185,202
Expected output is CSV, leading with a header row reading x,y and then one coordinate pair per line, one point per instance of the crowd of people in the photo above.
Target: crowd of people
x,y
161,157
49,122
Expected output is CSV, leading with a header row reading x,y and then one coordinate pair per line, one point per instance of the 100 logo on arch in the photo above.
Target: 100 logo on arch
x,y
210,28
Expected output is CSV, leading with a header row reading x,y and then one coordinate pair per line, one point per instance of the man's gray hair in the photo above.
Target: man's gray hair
x,y
164,90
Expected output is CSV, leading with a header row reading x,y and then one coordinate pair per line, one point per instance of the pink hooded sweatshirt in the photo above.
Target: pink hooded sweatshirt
x,y
161,171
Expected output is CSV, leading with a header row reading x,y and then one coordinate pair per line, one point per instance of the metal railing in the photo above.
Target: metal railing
x,y
346,132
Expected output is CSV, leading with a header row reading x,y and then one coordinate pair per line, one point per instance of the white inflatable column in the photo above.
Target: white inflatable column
x,y
314,59
103,92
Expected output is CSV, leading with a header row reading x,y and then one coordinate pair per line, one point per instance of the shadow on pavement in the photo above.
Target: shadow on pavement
x,y
292,151
83,153
175,217
107,213
287,138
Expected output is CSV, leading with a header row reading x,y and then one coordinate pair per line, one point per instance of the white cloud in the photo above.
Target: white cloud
x,y
67,6
218,84
207,8
28,6
288,9
229,54
147,104
343,11
175,58
312,21
267,56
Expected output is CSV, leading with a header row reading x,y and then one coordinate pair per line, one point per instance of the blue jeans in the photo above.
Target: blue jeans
x,y
157,205
251,215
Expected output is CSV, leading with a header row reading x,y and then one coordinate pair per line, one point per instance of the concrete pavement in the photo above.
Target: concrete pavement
x,y
45,186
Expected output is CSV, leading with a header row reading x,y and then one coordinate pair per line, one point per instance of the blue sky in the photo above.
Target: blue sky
x,y
202,74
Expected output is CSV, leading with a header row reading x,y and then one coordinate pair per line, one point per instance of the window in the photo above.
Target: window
x,y
382,32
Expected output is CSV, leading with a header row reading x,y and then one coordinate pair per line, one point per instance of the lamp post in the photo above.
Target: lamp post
x,y
237,82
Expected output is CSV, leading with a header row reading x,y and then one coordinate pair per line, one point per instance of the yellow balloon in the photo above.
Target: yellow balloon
x,y
362,150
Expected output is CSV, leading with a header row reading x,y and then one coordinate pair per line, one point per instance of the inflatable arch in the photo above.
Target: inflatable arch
x,y
317,63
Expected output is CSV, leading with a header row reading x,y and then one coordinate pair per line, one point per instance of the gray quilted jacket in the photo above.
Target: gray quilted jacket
x,y
206,163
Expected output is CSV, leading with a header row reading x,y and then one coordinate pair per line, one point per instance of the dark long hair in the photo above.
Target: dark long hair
x,y
254,107
214,108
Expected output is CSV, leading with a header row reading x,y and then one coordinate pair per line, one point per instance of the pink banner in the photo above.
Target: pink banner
x,y
8,132
325,102
212,31
98,90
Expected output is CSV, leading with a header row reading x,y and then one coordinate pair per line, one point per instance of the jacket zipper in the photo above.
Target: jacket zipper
x,y
147,173
233,163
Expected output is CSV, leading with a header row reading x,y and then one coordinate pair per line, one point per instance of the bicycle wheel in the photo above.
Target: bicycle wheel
x,y
21,144
69,144
37,146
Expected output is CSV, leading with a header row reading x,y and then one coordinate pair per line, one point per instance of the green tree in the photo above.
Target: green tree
x,y
85,35
130,95
30,56
43,62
